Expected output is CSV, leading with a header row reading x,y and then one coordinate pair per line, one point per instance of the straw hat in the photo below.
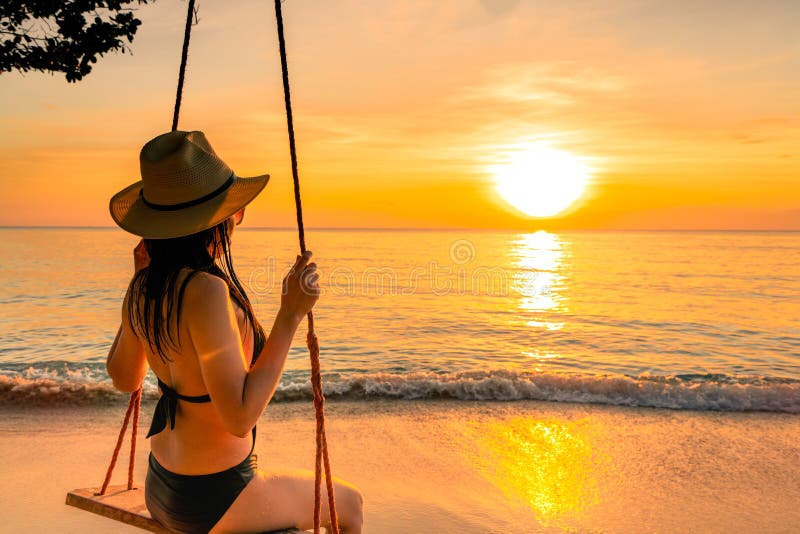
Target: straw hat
x,y
185,188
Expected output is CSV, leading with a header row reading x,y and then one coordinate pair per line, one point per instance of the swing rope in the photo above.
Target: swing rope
x,y
187,31
134,404
311,337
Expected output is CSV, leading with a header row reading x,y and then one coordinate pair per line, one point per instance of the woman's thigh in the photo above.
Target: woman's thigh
x,y
276,499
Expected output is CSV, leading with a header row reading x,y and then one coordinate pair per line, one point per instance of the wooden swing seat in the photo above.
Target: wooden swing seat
x,y
127,506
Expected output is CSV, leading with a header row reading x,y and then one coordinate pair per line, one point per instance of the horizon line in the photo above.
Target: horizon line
x,y
426,229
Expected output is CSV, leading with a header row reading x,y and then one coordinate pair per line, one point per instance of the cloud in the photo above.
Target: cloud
x,y
557,84
499,8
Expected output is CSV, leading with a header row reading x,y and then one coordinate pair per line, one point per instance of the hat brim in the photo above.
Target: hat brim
x,y
132,215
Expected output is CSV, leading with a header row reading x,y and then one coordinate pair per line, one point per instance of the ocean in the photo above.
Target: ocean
x,y
477,382
683,320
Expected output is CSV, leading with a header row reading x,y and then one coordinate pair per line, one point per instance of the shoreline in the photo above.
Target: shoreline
x,y
84,386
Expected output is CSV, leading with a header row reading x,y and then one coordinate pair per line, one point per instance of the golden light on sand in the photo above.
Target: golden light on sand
x,y
541,181
548,465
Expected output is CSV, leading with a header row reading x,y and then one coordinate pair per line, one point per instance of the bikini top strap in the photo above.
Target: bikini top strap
x,y
167,407
169,392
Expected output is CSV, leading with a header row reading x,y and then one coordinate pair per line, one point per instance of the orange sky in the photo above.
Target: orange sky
x,y
690,116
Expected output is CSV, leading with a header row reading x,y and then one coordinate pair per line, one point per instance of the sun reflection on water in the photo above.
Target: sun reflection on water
x,y
549,466
539,257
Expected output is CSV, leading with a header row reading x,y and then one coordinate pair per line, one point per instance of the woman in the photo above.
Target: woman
x,y
187,317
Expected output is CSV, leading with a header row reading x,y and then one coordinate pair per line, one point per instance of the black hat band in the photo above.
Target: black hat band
x,y
189,203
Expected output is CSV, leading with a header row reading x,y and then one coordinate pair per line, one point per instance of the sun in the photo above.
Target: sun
x,y
541,181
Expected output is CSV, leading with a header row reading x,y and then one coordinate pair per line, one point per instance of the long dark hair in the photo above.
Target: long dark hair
x,y
157,281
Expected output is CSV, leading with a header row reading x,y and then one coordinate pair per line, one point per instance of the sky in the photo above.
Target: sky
x,y
687,114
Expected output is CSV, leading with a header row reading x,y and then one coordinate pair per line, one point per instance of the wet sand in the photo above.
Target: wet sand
x,y
454,466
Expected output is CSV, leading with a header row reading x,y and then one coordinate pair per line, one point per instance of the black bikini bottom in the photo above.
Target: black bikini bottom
x,y
194,503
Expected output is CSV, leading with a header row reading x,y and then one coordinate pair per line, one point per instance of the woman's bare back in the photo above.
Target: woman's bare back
x,y
199,443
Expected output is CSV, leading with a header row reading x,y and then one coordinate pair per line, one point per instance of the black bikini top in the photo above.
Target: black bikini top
x,y
167,407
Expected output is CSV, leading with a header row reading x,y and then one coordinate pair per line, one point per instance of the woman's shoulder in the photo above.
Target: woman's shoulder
x,y
201,285
205,290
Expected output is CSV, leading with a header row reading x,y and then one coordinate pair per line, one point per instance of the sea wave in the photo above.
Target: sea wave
x,y
59,386
705,392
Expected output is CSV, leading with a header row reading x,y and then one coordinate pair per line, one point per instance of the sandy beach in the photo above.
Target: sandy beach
x,y
452,466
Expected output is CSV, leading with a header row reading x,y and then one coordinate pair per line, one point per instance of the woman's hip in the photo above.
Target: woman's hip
x,y
194,503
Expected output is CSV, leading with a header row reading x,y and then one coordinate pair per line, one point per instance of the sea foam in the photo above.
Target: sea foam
x,y
717,392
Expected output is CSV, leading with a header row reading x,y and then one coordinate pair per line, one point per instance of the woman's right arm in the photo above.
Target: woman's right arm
x,y
238,394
